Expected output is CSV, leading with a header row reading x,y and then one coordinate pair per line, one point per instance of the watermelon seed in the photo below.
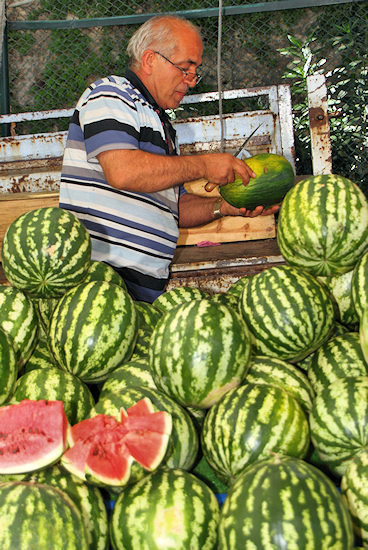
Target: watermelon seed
x,y
14,451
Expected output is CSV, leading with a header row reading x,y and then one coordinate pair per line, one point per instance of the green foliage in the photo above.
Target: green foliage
x,y
347,97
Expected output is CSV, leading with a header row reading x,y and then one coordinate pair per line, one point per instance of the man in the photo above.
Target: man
x,y
121,172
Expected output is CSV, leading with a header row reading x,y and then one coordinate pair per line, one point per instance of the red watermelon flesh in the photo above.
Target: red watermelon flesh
x,y
102,448
33,435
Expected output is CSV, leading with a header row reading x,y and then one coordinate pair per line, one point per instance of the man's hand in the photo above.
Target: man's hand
x,y
222,168
228,210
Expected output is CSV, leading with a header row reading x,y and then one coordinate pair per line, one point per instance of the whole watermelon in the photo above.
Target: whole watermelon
x,y
353,489
93,329
250,423
323,225
38,516
338,422
275,176
288,311
198,351
166,510
284,503
46,251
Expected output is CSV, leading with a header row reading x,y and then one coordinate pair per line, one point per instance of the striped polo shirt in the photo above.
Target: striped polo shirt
x,y
136,233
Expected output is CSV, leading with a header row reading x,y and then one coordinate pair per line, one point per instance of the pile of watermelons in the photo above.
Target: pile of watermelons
x,y
125,424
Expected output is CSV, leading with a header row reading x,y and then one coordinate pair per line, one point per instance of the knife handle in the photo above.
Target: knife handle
x,y
210,186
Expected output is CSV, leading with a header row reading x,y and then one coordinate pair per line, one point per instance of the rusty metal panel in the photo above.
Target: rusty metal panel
x,y
319,125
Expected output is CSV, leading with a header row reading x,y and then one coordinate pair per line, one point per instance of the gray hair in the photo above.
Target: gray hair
x,y
156,33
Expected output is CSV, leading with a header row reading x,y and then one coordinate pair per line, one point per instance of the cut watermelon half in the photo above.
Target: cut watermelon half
x,y
33,434
102,449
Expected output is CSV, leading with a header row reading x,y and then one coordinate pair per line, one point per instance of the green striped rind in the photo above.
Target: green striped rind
x,y
338,422
363,333
359,285
166,510
131,373
283,502
340,287
45,252
54,384
18,318
354,485
148,314
45,308
93,330
39,516
288,311
177,296
339,357
249,424
183,445
88,499
41,358
323,225
8,367
142,344
227,299
199,350
236,289
275,372
99,271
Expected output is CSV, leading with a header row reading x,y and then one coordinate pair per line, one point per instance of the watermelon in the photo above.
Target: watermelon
x,y
99,271
33,435
237,287
199,350
55,384
166,510
148,314
18,318
353,489
93,329
45,308
8,367
142,344
41,357
102,448
274,177
275,372
341,356
176,296
250,423
132,373
359,285
183,446
338,422
46,251
88,499
315,232
38,516
283,502
340,287
288,311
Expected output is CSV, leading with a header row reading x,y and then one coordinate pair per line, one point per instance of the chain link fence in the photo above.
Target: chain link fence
x,y
52,57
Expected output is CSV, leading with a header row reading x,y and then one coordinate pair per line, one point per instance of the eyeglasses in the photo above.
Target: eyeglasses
x,y
192,77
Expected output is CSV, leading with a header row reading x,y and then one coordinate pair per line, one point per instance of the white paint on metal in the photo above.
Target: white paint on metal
x,y
319,125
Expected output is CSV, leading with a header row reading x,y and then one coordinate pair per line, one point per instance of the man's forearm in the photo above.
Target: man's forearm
x,y
146,172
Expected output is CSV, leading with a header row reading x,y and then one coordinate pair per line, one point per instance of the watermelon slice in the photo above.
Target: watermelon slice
x,y
102,449
33,435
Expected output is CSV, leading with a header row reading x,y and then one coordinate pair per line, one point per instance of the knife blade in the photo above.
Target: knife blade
x,y
239,153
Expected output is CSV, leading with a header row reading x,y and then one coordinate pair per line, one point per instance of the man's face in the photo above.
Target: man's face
x,y
168,83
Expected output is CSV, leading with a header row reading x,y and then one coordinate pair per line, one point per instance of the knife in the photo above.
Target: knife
x,y
209,185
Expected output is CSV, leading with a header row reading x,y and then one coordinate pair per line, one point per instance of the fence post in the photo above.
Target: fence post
x,y
4,74
319,126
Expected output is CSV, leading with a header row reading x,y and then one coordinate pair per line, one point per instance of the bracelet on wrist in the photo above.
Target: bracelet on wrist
x,y
217,209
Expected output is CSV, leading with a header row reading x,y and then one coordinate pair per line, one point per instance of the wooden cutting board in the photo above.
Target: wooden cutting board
x,y
227,229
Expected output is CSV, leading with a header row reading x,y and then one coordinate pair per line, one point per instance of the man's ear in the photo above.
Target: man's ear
x,y
148,59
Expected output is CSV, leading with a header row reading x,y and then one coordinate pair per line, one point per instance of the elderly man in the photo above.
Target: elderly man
x,y
122,173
